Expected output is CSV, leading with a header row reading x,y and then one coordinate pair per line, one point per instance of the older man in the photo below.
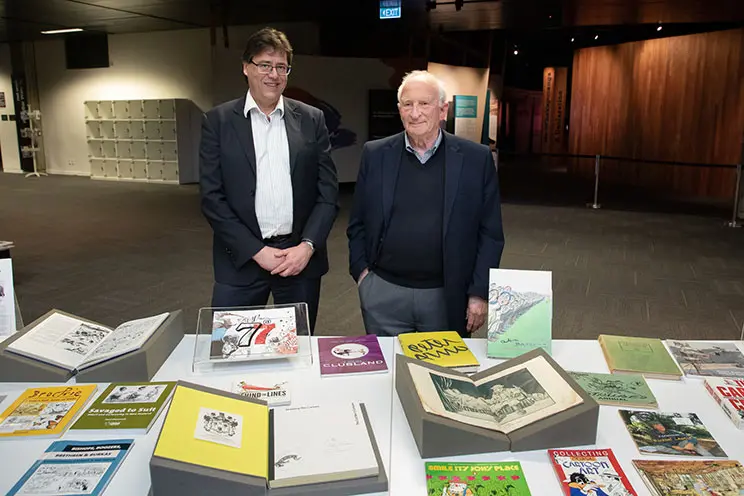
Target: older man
x,y
425,227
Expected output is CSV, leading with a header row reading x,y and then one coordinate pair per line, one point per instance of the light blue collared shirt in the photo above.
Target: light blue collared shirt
x,y
423,158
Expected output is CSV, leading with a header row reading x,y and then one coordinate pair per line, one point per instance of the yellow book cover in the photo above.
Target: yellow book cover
x,y
216,431
443,348
44,411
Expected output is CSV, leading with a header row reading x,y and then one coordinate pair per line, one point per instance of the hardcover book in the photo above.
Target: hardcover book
x,y
444,348
593,472
316,444
267,333
698,478
351,355
125,407
75,344
699,358
682,434
276,395
646,356
475,479
44,412
70,468
520,312
729,394
629,390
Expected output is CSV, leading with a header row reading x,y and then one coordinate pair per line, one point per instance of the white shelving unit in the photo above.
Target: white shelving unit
x,y
144,140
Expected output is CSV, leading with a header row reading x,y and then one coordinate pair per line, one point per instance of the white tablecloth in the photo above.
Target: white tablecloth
x,y
404,466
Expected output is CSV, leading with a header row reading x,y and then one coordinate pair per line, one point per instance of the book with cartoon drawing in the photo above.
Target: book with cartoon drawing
x,y
254,334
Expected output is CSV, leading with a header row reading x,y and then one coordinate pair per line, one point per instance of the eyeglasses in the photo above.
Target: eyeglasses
x,y
266,68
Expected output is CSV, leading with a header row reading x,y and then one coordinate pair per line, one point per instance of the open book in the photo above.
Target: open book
x,y
75,344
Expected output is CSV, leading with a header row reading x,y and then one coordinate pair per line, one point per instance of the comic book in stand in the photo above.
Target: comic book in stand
x,y
266,333
594,472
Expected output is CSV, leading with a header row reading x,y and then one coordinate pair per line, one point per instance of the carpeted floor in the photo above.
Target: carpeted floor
x,y
113,251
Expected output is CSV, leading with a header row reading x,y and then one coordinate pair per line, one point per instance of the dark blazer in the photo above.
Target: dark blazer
x,y
228,187
473,235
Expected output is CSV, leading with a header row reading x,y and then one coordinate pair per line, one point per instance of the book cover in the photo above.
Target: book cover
x,y
254,334
706,359
520,312
44,411
475,479
682,434
646,356
594,472
126,406
443,348
70,468
629,390
350,355
276,395
729,394
217,431
692,478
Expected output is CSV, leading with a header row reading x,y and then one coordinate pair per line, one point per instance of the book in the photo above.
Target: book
x,y
130,407
729,394
593,472
693,478
70,468
646,356
44,412
662,433
475,479
315,444
267,333
351,355
276,395
520,312
701,358
215,429
629,390
502,401
75,344
443,348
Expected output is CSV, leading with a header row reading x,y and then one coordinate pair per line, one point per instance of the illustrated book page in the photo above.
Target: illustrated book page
x,y
628,390
254,334
504,402
587,472
707,359
473,479
705,478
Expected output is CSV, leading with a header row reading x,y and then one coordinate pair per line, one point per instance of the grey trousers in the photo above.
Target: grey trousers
x,y
389,309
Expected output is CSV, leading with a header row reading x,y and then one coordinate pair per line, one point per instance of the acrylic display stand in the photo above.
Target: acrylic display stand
x,y
139,365
208,354
438,436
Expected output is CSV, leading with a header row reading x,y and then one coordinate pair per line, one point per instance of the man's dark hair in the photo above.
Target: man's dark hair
x,y
267,39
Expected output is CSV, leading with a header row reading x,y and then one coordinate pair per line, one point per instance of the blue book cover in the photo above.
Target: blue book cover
x,y
72,468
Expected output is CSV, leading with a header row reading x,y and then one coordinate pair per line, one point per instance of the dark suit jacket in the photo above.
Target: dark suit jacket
x,y
228,187
473,236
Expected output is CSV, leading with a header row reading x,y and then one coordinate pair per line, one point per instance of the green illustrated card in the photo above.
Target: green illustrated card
x,y
126,406
520,312
475,479
629,390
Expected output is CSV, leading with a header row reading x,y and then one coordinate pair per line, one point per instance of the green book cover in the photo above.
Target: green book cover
x,y
646,356
126,406
475,479
617,390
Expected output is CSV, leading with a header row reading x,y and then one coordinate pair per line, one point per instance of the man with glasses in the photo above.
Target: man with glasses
x,y
269,187
425,226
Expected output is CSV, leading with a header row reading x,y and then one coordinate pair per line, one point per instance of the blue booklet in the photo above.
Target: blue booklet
x,y
72,468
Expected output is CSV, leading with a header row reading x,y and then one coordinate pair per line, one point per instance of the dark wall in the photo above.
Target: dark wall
x,y
678,99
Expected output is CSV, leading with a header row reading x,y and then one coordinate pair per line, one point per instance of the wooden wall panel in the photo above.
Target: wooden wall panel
x,y
611,12
678,99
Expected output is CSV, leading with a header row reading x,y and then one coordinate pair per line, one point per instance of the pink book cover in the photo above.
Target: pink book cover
x,y
351,355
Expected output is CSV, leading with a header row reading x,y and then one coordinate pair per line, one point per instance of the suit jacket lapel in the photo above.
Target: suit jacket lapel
x,y
244,130
293,125
452,170
390,166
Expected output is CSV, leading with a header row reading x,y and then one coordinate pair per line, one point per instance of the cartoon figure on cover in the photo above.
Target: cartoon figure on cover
x,y
580,485
457,489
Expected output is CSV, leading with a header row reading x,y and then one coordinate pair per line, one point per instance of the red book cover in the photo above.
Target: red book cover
x,y
593,472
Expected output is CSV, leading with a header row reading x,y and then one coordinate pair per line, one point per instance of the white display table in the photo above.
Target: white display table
x,y
404,466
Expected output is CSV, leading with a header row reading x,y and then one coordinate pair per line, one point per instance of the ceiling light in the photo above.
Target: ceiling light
x,y
659,28
516,52
572,40
61,31
596,36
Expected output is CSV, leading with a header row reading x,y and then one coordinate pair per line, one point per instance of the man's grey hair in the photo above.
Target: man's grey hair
x,y
427,77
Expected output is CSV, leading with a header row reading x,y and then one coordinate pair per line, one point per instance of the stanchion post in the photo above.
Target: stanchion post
x,y
596,205
734,222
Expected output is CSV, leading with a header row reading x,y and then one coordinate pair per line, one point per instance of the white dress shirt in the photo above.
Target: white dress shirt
x,y
273,182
